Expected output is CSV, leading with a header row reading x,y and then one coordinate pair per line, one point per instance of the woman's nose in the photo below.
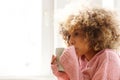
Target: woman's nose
x,y
71,41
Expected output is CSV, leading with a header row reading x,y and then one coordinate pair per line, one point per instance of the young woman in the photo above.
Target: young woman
x,y
92,36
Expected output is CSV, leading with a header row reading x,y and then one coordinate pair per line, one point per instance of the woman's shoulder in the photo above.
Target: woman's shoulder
x,y
105,55
109,55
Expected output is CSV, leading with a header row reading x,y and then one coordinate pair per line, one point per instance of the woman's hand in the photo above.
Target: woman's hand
x,y
69,61
54,66
69,57
53,60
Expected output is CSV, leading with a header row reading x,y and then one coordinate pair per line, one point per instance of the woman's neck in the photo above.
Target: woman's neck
x,y
89,55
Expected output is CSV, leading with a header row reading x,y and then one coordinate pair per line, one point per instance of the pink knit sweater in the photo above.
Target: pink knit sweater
x,y
105,65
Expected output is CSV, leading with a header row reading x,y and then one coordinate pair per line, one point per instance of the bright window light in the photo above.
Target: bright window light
x,y
108,3
20,38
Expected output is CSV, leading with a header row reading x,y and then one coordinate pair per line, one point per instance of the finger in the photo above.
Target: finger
x,y
53,59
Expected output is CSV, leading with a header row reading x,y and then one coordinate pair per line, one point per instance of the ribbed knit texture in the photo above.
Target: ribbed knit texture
x,y
105,65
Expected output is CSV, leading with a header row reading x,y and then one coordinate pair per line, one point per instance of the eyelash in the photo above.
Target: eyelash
x,y
76,34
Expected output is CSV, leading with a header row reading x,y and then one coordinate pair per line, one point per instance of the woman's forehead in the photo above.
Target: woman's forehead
x,y
75,30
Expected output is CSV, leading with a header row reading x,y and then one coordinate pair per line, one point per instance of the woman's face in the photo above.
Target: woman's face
x,y
81,46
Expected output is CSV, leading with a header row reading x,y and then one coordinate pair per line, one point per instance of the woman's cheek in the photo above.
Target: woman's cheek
x,y
77,51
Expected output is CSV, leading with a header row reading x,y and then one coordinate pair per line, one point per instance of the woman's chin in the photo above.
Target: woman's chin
x,y
78,54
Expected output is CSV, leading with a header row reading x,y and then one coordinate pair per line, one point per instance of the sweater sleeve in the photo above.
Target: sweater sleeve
x,y
109,67
58,74
70,64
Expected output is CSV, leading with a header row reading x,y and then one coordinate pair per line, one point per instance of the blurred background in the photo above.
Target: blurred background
x,y
29,36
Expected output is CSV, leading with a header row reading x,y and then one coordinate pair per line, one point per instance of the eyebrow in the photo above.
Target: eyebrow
x,y
77,30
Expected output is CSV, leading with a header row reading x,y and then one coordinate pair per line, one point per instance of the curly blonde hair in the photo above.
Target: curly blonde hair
x,y
99,26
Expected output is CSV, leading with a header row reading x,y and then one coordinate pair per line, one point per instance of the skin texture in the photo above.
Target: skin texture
x,y
80,44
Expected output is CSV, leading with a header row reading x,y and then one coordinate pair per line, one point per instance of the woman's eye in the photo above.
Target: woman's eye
x,y
76,34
